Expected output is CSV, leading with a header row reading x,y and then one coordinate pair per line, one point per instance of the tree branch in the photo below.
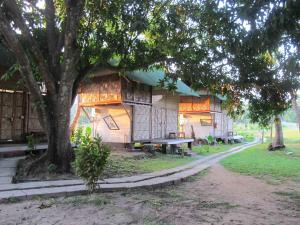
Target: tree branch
x,y
26,71
17,17
51,35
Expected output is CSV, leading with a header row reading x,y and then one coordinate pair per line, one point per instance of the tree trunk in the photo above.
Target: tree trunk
x,y
59,146
271,133
295,108
278,139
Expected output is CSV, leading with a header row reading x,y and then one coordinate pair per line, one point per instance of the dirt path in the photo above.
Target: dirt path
x,y
214,197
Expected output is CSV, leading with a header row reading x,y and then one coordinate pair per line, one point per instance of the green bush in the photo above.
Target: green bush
x,y
31,142
77,135
90,159
210,139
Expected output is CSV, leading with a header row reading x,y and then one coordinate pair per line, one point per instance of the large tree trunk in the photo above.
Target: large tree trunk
x,y
295,108
278,141
59,147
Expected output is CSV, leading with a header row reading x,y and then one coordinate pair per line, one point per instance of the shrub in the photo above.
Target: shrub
x,y
210,139
31,142
77,135
52,168
90,159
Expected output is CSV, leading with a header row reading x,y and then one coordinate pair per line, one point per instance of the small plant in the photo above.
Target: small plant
x,y
52,168
31,142
90,159
77,135
210,139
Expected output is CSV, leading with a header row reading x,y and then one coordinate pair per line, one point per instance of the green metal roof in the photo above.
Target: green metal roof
x,y
152,78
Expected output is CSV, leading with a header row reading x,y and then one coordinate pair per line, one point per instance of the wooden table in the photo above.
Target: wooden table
x,y
173,143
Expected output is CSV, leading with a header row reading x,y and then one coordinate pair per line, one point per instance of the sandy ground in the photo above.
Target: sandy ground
x,y
216,196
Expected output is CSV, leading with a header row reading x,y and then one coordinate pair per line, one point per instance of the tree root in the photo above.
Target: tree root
x,y
36,164
274,148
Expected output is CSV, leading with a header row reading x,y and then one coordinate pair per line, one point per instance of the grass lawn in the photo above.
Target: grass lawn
x,y
208,150
258,161
128,164
249,132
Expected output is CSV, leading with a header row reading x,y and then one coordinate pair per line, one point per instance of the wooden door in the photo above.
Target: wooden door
x,y
158,123
141,122
12,116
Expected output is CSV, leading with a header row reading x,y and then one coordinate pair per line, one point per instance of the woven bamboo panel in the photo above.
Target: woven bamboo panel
x,y
158,123
141,122
127,90
101,90
6,109
136,92
172,121
194,104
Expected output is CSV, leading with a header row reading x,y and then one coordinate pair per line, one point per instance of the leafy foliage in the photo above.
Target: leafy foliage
x,y
32,141
77,135
210,139
90,159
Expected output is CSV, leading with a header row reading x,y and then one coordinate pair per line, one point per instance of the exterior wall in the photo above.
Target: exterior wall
x,y
164,113
191,116
133,92
219,125
187,121
190,104
18,116
101,90
215,104
127,102
121,118
141,123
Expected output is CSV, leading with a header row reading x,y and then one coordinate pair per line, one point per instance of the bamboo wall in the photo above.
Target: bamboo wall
x,y
193,108
193,120
136,92
164,113
194,104
101,90
113,89
141,122
215,104
121,118
17,115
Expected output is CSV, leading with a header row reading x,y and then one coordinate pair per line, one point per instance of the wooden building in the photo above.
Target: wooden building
x,y
131,108
17,112
203,116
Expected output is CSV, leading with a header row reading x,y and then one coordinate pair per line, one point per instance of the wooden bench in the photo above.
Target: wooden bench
x,y
173,143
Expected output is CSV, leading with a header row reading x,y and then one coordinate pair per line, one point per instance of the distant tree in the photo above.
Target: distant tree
x,y
261,42
296,107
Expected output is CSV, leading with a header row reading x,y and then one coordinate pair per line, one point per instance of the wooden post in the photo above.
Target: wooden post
x,y
77,115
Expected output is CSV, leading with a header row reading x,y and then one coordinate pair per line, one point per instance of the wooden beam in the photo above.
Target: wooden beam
x,y
76,118
124,107
92,104
87,115
194,111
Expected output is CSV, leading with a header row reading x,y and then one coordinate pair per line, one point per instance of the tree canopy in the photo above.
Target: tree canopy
x,y
243,49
